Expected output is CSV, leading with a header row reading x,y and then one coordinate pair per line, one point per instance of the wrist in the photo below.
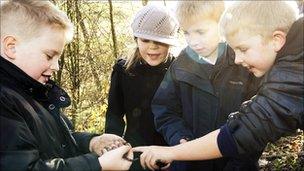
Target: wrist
x,y
172,153
92,143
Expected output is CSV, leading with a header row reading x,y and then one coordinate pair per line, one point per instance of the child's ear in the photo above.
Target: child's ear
x,y
9,46
279,39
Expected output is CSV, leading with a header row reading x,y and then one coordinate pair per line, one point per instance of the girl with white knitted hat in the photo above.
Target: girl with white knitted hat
x,y
135,80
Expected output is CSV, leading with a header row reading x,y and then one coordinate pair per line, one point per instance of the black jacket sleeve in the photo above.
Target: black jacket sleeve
x,y
114,116
167,110
19,148
82,139
276,111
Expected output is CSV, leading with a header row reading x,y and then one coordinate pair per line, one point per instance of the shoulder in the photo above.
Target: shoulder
x,y
10,97
288,69
228,54
6,92
182,59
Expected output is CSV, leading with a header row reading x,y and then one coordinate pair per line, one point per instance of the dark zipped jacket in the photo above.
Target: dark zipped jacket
x,y
191,103
35,135
130,96
277,109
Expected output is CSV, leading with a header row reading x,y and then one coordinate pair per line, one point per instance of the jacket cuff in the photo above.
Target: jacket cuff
x,y
226,143
83,140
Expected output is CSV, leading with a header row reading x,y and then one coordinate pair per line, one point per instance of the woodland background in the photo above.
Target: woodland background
x,y
102,35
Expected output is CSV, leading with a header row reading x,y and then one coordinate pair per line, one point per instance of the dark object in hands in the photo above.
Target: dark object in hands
x,y
160,164
131,160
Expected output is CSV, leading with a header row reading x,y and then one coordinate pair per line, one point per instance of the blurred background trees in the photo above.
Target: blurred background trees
x,y
102,34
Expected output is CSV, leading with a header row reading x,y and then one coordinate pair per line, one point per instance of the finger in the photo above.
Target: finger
x,y
129,154
140,148
99,153
120,143
142,160
117,143
150,162
104,151
166,167
108,148
160,164
147,161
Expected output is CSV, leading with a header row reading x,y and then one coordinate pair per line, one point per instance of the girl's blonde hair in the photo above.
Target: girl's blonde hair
x,y
24,18
132,58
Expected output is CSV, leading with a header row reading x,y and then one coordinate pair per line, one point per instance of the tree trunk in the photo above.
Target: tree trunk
x,y
87,50
72,52
113,29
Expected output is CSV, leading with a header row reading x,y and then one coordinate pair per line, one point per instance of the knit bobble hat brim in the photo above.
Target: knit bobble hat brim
x,y
168,41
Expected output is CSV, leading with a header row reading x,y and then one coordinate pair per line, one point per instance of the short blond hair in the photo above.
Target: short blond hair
x,y
24,18
189,12
257,18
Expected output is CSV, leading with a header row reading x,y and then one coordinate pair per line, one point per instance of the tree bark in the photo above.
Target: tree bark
x,y
113,29
72,52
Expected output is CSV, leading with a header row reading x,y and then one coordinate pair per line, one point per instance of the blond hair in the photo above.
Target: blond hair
x,y
189,12
257,18
132,58
24,18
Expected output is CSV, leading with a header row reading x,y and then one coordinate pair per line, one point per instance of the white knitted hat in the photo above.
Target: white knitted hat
x,y
155,23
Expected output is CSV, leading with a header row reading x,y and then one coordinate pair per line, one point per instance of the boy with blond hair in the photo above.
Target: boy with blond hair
x,y
35,135
202,86
268,41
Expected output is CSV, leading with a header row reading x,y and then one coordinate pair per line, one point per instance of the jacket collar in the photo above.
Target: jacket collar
x,y
294,40
14,77
226,54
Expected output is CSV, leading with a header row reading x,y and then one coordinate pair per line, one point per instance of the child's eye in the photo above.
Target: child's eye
x,y
145,40
243,50
201,32
49,57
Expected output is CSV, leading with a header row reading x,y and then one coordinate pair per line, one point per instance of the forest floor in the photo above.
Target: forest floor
x,y
287,154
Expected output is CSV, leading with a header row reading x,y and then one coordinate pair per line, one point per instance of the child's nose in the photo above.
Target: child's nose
x,y
193,42
55,65
238,60
153,45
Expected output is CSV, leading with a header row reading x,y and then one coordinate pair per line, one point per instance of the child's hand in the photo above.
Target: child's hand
x,y
154,156
114,160
114,145
111,141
